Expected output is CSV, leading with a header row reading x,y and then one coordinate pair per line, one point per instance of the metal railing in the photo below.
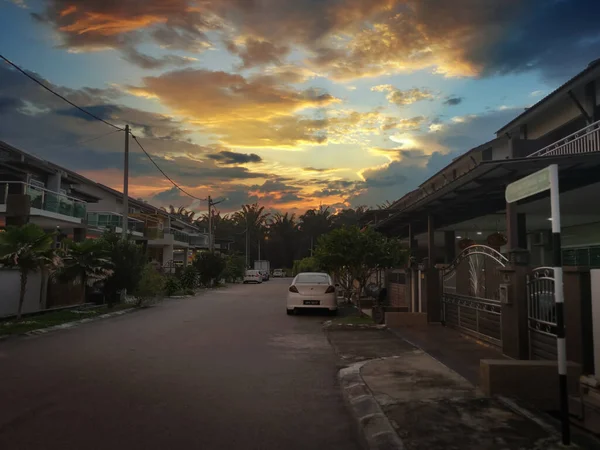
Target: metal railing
x,y
154,233
586,140
44,199
178,235
108,220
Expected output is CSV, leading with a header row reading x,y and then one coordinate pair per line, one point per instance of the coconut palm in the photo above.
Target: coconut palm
x,y
313,224
27,248
86,263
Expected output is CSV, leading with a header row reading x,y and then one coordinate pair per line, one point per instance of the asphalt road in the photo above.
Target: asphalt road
x,y
226,370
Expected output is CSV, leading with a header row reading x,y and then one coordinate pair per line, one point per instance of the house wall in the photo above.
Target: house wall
x,y
564,112
581,235
10,285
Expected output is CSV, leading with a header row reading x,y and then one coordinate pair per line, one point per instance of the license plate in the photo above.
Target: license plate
x,y
312,302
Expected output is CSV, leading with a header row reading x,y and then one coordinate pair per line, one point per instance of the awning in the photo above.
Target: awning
x,y
481,191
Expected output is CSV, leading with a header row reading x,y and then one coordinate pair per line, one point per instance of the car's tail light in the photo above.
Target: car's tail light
x,y
330,289
294,289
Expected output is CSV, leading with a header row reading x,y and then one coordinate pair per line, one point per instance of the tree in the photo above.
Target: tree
x,y
251,219
234,267
348,217
86,263
28,248
313,224
128,260
283,231
355,255
210,266
309,264
151,285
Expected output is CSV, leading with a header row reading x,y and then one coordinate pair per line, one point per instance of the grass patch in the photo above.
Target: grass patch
x,y
45,320
354,320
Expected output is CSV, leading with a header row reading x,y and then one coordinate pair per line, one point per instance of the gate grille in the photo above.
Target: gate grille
x,y
541,314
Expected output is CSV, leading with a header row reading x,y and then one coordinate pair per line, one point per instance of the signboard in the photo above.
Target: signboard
x,y
530,185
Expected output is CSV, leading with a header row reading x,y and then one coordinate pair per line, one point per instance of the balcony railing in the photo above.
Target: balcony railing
x,y
44,199
179,236
586,140
113,220
154,233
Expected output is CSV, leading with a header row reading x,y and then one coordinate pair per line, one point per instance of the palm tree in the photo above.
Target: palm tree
x,y
282,233
252,218
86,263
314,223
28,248
348,217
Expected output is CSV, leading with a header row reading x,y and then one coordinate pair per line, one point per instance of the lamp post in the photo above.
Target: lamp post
x,y
210,231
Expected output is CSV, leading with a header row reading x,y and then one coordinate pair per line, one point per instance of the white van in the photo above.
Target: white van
x,y
253,276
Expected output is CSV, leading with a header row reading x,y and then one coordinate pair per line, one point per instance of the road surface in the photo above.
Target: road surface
x,y
226,370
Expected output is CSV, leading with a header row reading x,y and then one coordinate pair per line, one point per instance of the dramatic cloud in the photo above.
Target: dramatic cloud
x,y
403,97
228,157
453,101
255,52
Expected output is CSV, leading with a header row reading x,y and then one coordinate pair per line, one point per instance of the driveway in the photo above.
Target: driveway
x,y
226,370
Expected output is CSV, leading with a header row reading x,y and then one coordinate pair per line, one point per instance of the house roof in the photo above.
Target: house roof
x,y
481,190
580,77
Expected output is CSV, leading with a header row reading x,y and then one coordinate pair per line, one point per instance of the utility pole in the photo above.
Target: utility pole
x,y
126,185
210,236
246,242
259,249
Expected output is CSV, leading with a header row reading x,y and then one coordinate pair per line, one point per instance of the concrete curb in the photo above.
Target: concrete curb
x,y
374,427
331,326
66,325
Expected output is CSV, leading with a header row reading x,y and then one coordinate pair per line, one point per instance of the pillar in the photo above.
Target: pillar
x,y
79,234
431,283
449,246
515,336
590,103
186,252
54,181
411,272
167,254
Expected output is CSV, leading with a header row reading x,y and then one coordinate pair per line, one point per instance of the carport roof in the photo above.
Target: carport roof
x,y
481,191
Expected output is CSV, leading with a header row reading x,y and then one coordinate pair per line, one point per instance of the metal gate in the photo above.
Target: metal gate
x,y
541,316
470,293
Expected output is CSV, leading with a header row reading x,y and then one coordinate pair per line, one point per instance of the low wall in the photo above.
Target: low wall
x,y
535,382
10,285
405,319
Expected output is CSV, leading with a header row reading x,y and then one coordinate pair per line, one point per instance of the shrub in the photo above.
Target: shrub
x,y
128,261
305,265
210,266
151,285
234,268
172,285
188,278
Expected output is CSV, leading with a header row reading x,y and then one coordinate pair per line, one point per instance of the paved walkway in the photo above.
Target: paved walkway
x,y
460,353
430,406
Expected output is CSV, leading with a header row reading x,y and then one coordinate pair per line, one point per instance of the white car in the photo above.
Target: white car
x,y
312,290
253,276
278,273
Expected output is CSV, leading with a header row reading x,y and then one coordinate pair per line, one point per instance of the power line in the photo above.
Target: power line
x,y
164,174
60,96
117,128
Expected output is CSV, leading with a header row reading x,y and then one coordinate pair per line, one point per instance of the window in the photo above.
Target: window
x,y
312,278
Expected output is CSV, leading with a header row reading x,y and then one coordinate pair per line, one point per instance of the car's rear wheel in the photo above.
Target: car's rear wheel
x,y
290,312
333,312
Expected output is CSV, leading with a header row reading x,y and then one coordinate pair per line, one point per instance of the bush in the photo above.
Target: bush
x,y
210,266
172,285
305,265
151,285
234,268
188,278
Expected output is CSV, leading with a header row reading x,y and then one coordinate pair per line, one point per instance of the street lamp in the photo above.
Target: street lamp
x,y
210,231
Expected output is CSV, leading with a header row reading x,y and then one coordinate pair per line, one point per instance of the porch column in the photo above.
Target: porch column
x,y
590,101
431,283
54,182
411,272
186,253
514,333
449,246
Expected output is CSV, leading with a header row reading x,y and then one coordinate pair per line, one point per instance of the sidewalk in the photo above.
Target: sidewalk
x,y
401,397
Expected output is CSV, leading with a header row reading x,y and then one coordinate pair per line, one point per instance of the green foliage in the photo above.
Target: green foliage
x,y
86,263
188,278
128,260
151,285
27,248
172,285
210,266
306,265
354,255
234,267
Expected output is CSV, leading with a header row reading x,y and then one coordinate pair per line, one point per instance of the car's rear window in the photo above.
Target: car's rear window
x,y
251,272
314,278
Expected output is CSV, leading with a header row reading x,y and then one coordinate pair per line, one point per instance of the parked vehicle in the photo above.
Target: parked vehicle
x,y
253,276
262,264
278,273
265,275
312,290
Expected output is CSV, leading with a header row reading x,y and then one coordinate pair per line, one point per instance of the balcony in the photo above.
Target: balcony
x,y
109,220
154,233
43,202
179,236
586,140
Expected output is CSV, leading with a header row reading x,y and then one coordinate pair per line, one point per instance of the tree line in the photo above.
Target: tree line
x,y
281,238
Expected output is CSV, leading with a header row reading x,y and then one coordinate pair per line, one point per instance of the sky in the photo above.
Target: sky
x,y
292,104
